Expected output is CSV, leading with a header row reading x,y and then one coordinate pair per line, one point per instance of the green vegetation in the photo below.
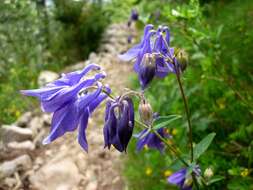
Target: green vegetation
x,y
218,37
35,37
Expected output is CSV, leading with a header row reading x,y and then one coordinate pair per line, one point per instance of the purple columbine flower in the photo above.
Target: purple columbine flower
x,y
119,123
129,39
134,15
181,179
151,140
153,55
135,50
71,101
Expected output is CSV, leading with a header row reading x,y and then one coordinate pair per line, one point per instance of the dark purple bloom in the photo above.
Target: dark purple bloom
x,y
181,179
119,123
129,39
134,15
151,140
71,101
129,22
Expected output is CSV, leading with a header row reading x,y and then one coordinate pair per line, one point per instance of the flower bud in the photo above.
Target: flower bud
x,y
146,113
182,59
208,173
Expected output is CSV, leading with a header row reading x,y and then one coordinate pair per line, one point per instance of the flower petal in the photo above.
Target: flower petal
x,y
178,177
133,52
63,96
124,130
82,131
64,120
73,78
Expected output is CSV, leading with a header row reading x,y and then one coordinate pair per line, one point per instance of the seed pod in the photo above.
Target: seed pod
x,y
182,59
146,113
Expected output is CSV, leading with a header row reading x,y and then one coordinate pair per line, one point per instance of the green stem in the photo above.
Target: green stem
x,y
170,147
164,141
185,103
186,110
142,124
195,181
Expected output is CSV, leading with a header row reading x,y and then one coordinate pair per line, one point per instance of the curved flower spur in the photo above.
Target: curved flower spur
x,y
71,99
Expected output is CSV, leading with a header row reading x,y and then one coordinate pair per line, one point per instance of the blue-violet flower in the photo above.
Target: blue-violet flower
x,y
153,55
151,140
182,180
70,100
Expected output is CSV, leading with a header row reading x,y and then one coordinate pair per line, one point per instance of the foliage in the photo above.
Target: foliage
x,y
35,37
218,37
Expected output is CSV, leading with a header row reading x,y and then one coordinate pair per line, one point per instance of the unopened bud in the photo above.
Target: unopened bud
x,y
182,59
208,173
146,113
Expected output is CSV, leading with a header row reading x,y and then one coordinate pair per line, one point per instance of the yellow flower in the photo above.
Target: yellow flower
x,y
174,132
167,173
221,103
245,172
17,113
148,171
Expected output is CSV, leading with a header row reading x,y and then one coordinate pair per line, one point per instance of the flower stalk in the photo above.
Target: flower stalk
x,y
187,111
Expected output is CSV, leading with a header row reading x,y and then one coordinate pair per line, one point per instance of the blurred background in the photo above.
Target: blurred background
x,y
38,35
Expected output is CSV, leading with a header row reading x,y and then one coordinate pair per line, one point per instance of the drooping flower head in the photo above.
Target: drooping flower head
x,y
183,179
153,56
71,101
119,123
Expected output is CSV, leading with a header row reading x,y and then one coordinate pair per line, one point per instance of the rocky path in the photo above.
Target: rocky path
x,y
63,165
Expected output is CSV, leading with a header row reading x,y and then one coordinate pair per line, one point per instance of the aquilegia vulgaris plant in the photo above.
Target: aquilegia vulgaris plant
x,y
73,97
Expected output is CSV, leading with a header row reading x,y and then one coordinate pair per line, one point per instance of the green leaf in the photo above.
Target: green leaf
x,y
202,146
215,179
169,119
